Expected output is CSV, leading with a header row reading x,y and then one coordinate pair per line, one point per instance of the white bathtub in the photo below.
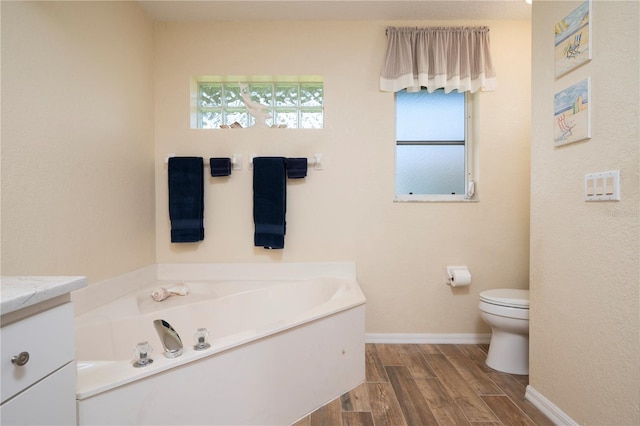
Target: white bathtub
x,y
280,348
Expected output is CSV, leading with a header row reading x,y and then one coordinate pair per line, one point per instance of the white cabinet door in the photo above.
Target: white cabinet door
x,y
51,401
48,339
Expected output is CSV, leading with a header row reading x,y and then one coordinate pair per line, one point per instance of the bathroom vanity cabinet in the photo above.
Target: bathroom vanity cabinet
x,y
38,380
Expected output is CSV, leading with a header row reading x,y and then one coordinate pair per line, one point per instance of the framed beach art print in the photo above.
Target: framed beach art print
x,y
573,39
572,113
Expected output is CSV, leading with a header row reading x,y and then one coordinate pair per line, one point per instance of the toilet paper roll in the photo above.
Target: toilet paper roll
x,y
460,278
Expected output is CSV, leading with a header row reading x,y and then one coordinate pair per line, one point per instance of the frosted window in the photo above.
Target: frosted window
x,y
424,116
430,169
430,143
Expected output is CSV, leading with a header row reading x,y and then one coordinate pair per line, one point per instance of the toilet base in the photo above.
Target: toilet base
x,y
509,352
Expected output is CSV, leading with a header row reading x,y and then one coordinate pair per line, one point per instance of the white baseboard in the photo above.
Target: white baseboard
x,y
429,338
555,414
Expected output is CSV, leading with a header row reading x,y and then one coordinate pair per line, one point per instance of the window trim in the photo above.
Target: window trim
x,y
470,158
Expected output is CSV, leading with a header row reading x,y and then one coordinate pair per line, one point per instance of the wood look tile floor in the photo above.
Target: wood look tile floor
x,y
418,384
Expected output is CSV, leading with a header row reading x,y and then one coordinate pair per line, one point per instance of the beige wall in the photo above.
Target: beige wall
x,y
85,80
585,257
77,139
346,212
78,176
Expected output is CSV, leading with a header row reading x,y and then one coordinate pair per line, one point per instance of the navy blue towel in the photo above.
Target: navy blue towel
x,y
269,201
186,199
296,168
220,166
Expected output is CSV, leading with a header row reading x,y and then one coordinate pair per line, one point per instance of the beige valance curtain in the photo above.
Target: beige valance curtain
x,y
453,58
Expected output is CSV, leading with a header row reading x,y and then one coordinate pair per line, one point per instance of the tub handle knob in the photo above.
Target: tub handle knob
x,y
21,359
141,354
201,336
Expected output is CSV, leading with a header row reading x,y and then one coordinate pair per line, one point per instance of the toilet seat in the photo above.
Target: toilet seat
x,y
507,297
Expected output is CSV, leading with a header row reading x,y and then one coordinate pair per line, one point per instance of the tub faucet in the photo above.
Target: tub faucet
x,y
169,337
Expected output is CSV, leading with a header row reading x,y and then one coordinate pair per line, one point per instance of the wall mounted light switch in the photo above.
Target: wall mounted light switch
x,y
603,186
590,186
609,185
599,186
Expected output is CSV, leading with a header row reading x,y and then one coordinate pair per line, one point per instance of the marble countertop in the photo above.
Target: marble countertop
x,y
20,292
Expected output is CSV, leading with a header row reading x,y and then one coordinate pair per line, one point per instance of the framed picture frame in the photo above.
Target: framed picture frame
x,y
572,113
573,39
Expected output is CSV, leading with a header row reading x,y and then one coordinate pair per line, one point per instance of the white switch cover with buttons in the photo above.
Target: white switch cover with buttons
x,y
603,186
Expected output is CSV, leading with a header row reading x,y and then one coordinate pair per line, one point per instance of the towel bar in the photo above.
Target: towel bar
x,y
236,161
316,161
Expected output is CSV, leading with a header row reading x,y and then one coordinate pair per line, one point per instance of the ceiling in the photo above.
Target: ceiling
x,y
314,10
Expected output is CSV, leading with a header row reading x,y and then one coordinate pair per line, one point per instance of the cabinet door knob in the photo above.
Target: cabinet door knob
x,y
21,359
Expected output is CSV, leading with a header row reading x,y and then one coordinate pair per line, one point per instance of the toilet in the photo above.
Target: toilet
x,y
507,312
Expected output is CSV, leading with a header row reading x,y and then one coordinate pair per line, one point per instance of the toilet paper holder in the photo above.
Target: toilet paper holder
x,y
450,274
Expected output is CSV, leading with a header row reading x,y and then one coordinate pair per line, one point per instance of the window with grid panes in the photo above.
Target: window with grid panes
x,y
296,105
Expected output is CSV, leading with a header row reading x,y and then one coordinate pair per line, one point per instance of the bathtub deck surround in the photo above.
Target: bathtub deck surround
x,y
97,294
298,325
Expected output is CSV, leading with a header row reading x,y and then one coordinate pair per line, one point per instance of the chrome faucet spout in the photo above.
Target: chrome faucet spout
x,y
169,338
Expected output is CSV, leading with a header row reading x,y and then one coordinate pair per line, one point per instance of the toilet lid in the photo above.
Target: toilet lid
x,y
515,298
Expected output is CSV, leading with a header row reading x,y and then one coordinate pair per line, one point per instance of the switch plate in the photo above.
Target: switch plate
x,y
602,186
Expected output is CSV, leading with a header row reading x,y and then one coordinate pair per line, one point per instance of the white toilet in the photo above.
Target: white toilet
x,y
507,312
